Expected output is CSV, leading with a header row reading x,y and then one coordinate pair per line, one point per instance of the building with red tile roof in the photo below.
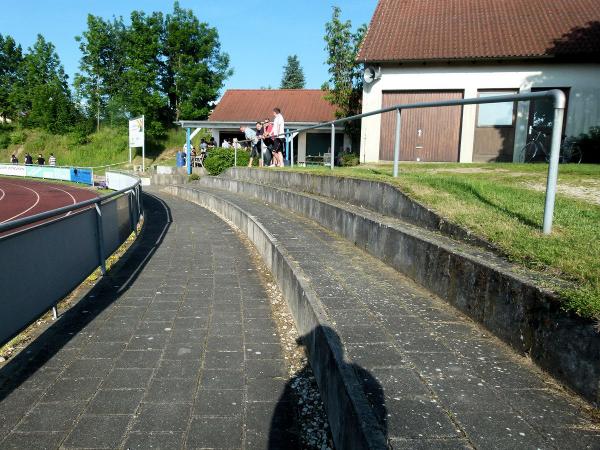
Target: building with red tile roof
x,y
300,108
446,49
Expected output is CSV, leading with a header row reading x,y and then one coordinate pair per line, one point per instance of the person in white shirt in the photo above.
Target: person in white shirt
x,y
278,137
226,144
52,160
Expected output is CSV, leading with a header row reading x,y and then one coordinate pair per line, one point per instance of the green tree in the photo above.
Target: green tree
x,y
42,92
293,75
11,57
344,87
100,85
195,67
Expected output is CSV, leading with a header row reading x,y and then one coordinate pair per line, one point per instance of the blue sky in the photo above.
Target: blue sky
x,y
257,35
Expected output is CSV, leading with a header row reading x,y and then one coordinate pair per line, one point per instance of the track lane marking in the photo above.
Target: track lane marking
x,y
69,194
28,209
3,193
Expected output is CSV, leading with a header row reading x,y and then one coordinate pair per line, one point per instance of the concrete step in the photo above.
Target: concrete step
x,y
394,362
507,300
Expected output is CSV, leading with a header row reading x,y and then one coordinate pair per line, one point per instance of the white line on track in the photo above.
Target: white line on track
x,y
68,193
3,194
28,209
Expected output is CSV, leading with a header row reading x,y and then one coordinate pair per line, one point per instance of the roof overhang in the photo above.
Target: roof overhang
x,y
222,125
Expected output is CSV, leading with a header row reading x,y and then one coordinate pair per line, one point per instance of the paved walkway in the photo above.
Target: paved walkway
x,y
446,383
174,350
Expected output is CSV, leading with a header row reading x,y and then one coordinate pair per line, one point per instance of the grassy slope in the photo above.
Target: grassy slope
x,y
108,146
494,201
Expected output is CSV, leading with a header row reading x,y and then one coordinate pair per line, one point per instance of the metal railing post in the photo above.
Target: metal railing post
x,y
188,151
553,169
292,150
100,237
235,154
397,142
332,145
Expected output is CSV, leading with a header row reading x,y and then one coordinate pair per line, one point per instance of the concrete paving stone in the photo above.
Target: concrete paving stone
x,y
273,440
227,317
148,342
260,336
81,368
160,316
72,390
188,336
572,438
139,359
498,430
362,334
169,417
428,444
401,383
265,389
98,432
174,390
468,394
115,401
225,307
191,323
259,312
215,432
224,360
128,379
256,302
376,355
189,351
222,379
421,342
144,441
506,375
348,317
152,328
259,324
419,419
163,306
170,369
261,417
226,329
345,302
164,297
434,366
263,351
128,311
219,403
224,343
112,335
103,350
51,417
266,368
38,379
33,440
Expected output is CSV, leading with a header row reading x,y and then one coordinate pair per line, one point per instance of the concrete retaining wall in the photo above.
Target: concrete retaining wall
x,y
352,421
377,196
479,284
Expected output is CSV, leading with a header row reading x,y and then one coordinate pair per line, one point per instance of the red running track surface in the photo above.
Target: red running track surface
x,y
22,198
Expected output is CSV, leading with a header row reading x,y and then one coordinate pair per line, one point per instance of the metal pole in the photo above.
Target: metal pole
x,y
54,313
235,146
287,145
130,155
144,146
332,145
292,151
188,151
553,169
100,236
397,142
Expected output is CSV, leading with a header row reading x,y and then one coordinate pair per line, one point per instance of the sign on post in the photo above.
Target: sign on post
x,y
136,138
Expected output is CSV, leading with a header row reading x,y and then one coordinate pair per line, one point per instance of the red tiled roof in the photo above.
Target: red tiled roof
x,y
297,105
421,30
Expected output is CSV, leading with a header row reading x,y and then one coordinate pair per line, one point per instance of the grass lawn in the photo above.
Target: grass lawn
x,y
504,204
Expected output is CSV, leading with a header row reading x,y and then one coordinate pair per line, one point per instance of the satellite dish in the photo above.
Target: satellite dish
x,y
371,74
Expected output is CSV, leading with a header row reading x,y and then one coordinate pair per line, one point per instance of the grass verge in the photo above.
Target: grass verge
x,y
496,202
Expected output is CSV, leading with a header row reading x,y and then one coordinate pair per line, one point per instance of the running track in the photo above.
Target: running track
x,y
22,198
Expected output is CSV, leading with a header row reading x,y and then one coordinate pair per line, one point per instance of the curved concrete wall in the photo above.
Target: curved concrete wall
x,y
483,286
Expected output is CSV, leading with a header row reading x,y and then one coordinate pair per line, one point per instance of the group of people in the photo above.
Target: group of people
x,y
41,161
267,140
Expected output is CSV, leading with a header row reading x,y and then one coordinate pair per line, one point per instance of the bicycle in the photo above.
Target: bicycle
x,y
535,150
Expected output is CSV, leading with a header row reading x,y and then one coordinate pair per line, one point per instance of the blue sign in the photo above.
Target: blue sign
x,y
82,176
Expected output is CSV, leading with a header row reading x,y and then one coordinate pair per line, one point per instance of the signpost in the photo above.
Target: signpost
x,y
136,138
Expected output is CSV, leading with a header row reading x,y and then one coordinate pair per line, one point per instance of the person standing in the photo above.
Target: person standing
x,y
226,144
52,160
250,135
278,136
40,160
28,159
260,145
14,159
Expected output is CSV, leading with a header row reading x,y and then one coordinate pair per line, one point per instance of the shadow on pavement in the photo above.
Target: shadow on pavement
x,y
108,289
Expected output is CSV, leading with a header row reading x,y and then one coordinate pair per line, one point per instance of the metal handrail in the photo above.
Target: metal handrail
x,y
64,209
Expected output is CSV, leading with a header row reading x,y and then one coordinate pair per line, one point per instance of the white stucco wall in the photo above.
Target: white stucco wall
x,y
583,109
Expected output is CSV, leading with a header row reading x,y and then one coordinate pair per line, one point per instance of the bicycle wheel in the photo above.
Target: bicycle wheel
x,y
574,154
530,152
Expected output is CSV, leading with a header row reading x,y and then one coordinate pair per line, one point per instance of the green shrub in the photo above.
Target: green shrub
x,y
221,159
350,159
17,137
4,140
194,177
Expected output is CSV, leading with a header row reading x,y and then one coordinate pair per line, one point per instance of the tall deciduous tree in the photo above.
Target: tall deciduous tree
x,y
195,67
102,65
344,88
11,57
293,75
42,92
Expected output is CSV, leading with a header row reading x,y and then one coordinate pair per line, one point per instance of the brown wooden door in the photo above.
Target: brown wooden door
x,y
428,134
494,138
